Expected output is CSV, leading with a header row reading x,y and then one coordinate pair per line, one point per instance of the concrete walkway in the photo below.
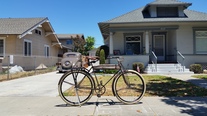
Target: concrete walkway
x,y
38,96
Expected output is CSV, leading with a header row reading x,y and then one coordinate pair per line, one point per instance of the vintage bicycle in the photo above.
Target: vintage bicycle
x,y
78,85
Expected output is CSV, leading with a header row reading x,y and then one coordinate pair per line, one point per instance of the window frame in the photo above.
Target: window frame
x,y
4,46
38,31
46,51
167,12
195,41
28,50
139,41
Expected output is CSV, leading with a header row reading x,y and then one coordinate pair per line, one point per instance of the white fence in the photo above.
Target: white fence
x,y
29,62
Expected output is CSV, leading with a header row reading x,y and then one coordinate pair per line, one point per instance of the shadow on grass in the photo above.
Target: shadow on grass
x,y
169,87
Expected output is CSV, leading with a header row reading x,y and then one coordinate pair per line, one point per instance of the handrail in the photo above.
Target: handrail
x,y
154,60
183,59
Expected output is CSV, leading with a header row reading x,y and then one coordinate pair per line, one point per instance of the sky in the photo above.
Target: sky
x,y
79,16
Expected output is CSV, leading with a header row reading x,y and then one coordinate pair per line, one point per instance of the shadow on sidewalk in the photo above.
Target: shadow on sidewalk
x,y
195,106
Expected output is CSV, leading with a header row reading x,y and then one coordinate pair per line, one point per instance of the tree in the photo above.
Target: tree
x,y
90,41
78,43
102,57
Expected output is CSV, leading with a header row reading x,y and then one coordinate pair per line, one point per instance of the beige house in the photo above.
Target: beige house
x,y
67,42
28,42
164,35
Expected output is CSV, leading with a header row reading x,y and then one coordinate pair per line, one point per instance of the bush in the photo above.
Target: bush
x,y
102,57
140,65
196,68
106,50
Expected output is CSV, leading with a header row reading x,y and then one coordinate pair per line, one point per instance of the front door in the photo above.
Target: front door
x,y
159,47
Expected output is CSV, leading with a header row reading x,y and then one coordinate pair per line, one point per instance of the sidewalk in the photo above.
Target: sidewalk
x,y
104,106
189,78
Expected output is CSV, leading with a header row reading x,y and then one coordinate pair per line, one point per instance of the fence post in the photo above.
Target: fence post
x,y
8,75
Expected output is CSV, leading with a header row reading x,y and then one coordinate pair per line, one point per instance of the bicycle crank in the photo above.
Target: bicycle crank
x,y
100,90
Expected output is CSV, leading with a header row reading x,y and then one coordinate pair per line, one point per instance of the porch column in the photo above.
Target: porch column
x,y
147,42
111,48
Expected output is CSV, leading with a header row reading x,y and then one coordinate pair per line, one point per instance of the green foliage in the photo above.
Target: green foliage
x,y
106,50
196,68
140,65
102,57
90,41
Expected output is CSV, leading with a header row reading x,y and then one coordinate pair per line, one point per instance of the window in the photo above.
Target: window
x,y
38,31
47,50
1,47
133,44
69,42
167,12
201,42
27,48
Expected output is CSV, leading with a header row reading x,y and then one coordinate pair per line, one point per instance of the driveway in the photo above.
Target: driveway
x,y
38,85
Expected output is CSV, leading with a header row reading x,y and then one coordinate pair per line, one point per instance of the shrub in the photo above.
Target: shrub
x,y
106,50
196,68
102,57
140,65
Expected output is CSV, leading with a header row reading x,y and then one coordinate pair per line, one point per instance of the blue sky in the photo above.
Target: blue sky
x,y
78,16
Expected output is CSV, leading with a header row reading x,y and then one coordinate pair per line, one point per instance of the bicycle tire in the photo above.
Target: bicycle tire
x,y
76,94
132,89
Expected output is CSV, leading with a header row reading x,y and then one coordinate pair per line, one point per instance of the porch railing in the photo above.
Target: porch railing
x,y
154,61
181,60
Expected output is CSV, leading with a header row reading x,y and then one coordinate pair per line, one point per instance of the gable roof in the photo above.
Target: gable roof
x,y
22,26
137,16
67,36
18,25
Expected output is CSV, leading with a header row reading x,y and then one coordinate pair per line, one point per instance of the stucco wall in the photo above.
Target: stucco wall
x,y
130,59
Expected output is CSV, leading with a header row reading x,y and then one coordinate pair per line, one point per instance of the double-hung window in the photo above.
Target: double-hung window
x,y
133,44
27,48
201,41
2,47
47,50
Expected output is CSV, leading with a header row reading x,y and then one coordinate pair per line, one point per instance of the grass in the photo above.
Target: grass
x,y
4,76
201,76
164,86
167,87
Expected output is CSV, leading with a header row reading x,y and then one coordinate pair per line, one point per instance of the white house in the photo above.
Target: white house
x,y
163,31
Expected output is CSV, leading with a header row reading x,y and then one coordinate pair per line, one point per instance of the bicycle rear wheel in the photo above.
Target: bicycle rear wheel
x,y
129,87
76,87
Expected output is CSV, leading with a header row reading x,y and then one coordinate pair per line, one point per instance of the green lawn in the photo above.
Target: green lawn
x,y
167,86
163,86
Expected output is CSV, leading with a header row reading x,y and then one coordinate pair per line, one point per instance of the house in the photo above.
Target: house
x,y
67,42
28,42
163,31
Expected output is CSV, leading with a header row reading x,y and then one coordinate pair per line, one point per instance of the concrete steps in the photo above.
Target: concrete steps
x,y
167,68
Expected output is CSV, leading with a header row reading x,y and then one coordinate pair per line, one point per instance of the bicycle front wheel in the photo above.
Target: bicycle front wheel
x,y
76,87
129,87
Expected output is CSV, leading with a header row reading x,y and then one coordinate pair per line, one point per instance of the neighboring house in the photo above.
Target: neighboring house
x,y
67,41
163,31
31,41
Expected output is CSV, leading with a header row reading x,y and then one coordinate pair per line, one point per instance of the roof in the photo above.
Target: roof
x,y
22,26
18,25
67,36
137,16
169,2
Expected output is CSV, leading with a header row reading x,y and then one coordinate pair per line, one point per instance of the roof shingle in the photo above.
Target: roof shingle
x,y
17,25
